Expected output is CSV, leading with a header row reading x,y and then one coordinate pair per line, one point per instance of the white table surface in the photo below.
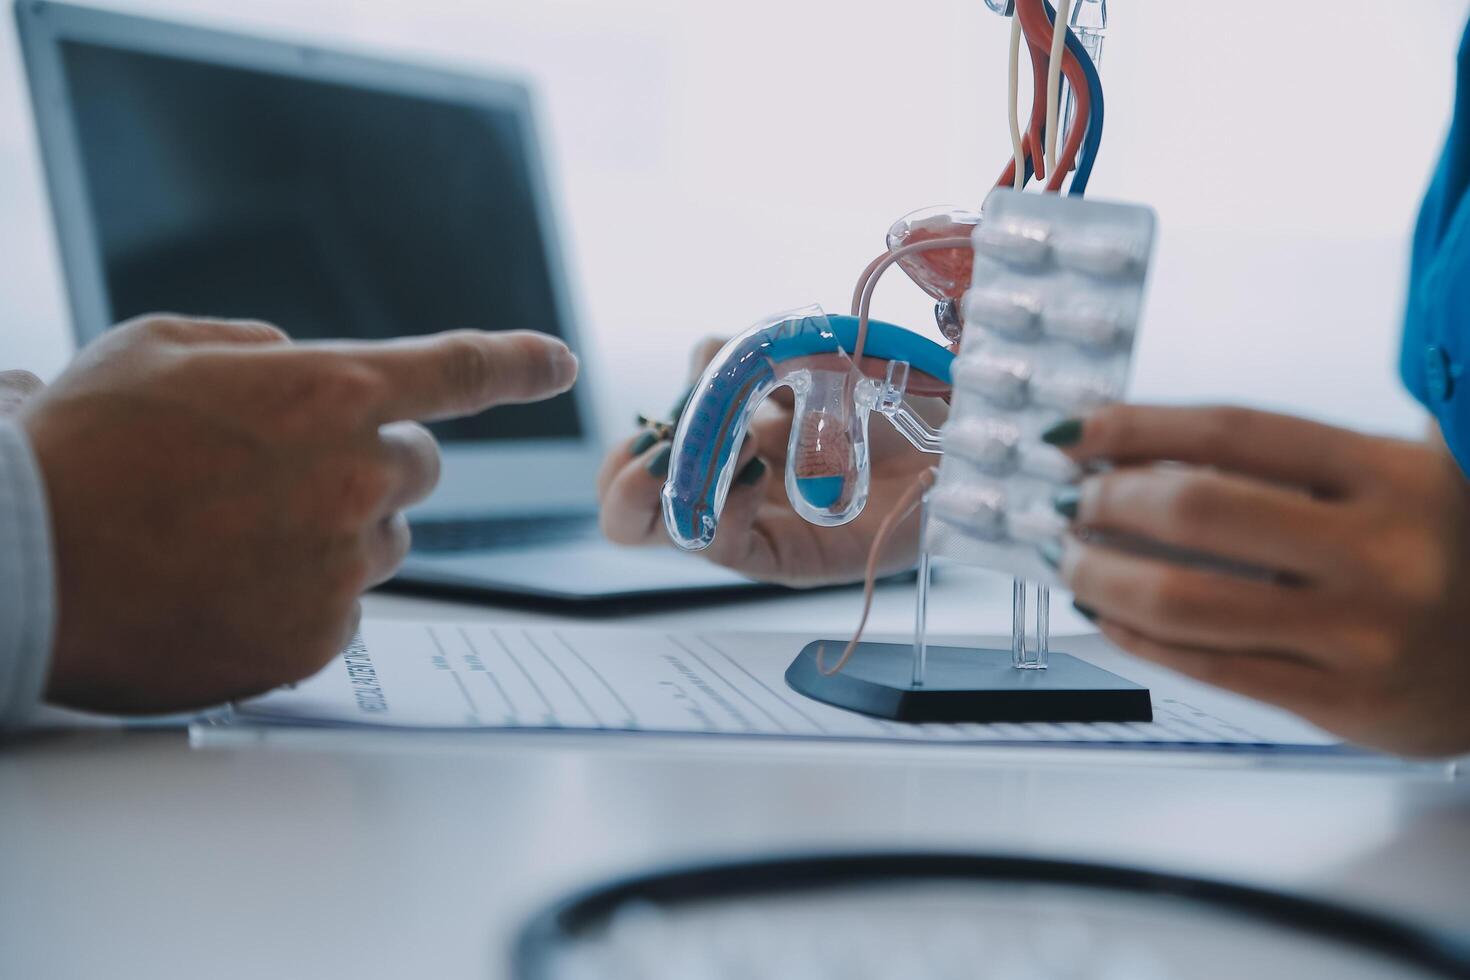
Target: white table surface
x,y
349,854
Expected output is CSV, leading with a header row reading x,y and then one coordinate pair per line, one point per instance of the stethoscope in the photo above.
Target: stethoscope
x,y
572,920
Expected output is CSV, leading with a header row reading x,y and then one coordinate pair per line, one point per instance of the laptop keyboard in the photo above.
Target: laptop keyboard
x,y
484,533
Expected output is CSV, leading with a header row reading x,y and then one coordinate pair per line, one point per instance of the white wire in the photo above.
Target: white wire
x,y
1054,83
1015,97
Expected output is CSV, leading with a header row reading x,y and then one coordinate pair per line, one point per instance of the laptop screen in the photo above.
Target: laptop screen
x,y
331,210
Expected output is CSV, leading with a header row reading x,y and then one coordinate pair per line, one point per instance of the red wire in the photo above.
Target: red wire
x,y
1030,140
1038,30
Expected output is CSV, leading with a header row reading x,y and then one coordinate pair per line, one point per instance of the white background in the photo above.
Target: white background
x,y
716,162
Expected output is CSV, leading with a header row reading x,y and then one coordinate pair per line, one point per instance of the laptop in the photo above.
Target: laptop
x,y
337,195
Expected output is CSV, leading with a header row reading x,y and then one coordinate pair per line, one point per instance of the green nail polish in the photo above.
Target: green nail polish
x,y
643,444
659,465
1088,613
751,474
1067,501
1051,553
1067,433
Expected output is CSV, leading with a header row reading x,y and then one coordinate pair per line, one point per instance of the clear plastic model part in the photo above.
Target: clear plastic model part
x,y
827,472
1089,22
945,272
827,458
1044,303
1028,653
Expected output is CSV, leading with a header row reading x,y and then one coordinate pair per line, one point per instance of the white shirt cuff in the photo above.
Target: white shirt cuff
x,y
27,580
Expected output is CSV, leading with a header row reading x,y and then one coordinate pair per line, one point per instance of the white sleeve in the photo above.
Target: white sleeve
x,y
27,580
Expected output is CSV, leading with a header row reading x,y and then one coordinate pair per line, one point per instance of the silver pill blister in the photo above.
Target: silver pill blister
x,y
992,445
1071,392
1021,244
1014,315
978,511
1102,255
1050,325
1095,328
1003,381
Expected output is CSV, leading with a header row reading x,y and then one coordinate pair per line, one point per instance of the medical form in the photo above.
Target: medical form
x,y
478,676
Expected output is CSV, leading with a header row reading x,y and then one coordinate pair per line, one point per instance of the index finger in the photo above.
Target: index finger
x,y
1278,448
462,372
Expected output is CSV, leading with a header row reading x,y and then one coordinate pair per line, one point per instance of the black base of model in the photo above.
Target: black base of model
x,y
966,685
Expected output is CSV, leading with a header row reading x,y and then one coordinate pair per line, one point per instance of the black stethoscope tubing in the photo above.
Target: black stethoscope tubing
x,y
566,920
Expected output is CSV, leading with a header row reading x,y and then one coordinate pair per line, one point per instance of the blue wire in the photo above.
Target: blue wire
x,y
1093,141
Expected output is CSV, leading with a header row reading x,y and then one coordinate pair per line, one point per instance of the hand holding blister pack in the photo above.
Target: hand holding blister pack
x,y
1051,319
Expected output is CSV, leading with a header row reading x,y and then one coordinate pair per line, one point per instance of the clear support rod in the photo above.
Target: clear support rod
x,y
1018,623
921,600
1089,21
1043,623
921,615
1026,654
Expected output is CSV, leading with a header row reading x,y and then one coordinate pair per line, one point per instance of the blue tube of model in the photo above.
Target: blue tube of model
x,y
827,456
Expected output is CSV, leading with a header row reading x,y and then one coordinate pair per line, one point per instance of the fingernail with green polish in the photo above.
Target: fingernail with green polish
x,y
1066,502
1065,433
751,473
1051,553
1088,613
643,444
659,465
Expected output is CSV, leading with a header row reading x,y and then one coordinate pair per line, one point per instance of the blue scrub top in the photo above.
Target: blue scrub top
x,y
1435,360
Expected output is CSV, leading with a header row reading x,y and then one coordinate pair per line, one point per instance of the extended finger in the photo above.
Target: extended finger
x,y
1191,607
459,373
387,545
1239,518
1289,683
1278,448
413,456
176,329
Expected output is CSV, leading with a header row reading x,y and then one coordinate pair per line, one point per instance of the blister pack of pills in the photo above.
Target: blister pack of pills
x,y
1051,318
